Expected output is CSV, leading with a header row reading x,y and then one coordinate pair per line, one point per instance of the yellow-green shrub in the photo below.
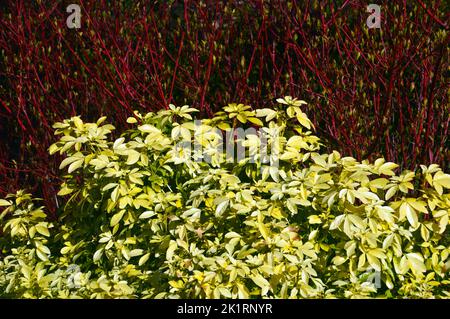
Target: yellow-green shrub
x,y
146,219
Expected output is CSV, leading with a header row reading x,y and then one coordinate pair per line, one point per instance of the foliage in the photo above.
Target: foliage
x,y
372,91
146,218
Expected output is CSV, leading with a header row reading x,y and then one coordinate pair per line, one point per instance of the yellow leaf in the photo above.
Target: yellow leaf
x,y
242,118
379,183
42,230
260,281
262,228
53,149
318,160
418,205
391,192
65,191
387,168
221,208
75,165
378,253
144,259
314,219
303,119
286,156
78,122
268,113
68,161
133,157
131,120
374,262
338,260
442,179
176,284
171,250
256,121
147,128
243,292
410,213
116,218
4,202
416,262
361,261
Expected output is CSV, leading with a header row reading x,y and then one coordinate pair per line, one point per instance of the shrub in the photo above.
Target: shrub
x,y
372,91
148,216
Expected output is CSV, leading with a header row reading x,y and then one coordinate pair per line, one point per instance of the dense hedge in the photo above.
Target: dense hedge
x,y
372,92
145,216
